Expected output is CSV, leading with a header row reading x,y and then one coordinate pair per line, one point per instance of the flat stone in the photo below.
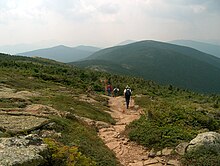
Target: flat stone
x,y
143,157
100,125
173,163
157,164
113,145
150,161
17,124
166,151
137,163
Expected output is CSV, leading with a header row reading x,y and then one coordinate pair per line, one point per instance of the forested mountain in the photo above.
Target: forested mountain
x,y
62,53
204,47
162,62
66,97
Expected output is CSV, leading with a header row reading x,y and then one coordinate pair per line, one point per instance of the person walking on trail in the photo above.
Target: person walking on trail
x,y
109,89
115,91
127,94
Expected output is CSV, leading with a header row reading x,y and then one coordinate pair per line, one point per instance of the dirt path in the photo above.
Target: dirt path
x,y
127,152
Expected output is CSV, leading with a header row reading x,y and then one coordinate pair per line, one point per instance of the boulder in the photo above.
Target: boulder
x,y
23,150
19,124
206,139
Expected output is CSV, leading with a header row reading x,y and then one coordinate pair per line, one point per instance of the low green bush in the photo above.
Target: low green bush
x,y
166,123
76,133
61,155
202,156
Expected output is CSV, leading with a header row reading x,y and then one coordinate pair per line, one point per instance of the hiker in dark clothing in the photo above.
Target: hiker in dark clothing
x,y
127,94
115,91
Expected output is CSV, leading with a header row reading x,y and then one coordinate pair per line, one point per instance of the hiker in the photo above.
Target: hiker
x,y
109,89
115,91
127,94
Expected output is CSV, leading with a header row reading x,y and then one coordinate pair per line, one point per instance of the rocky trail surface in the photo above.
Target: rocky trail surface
x,y
129,153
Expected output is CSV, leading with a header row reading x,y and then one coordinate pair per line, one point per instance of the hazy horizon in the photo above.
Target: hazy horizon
x,y
104,23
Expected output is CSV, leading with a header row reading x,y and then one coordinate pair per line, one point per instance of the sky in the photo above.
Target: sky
x,y
104,23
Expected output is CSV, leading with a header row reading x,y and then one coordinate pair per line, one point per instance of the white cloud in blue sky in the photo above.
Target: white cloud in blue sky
x,y
106,22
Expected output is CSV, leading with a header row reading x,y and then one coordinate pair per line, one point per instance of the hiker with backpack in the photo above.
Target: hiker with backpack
x,y
115,91
127,94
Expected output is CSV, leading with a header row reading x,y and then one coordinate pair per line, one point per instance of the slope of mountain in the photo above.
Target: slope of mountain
x,y
87,48
62,53
204,47
64,97
162,62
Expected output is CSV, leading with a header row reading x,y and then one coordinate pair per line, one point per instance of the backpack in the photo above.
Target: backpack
x,y
128,92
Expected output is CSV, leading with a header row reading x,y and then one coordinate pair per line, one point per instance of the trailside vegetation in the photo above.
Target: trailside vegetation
x,y
65,88
172,117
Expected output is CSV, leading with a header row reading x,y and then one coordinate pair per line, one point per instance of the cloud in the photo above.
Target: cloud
x,y
102,21
20,10
211,6
109,8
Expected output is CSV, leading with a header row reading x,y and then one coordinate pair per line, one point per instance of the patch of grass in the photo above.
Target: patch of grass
x,y
12,103
68,102
166,123
2,134
75,133
93,112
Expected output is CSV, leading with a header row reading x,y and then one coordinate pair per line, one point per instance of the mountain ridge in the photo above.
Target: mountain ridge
x,y
208,48
63,53
164,63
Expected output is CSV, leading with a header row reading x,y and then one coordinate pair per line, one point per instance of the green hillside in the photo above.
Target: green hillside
x,y
161,62
170,115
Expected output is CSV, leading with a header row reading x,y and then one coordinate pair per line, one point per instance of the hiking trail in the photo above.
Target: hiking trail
x,y
128,153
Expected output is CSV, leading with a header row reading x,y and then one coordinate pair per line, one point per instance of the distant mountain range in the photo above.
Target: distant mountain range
x,y
204,47
16,48
63,53
162,62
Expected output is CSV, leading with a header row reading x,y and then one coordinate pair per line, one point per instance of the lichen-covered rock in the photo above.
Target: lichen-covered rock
x,y
6,92
17,124
208,139
24,150
45,111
